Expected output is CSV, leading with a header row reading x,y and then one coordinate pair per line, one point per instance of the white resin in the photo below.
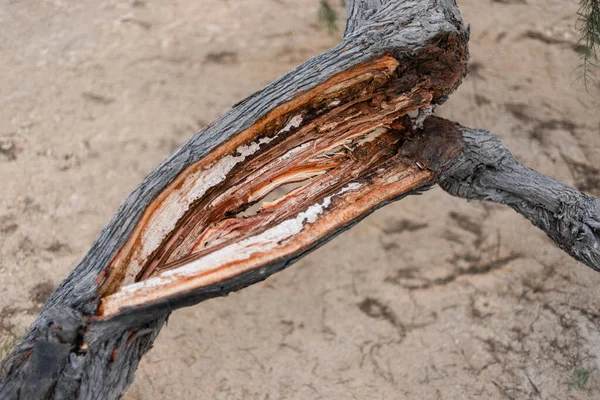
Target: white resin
x,y
244,249
165,217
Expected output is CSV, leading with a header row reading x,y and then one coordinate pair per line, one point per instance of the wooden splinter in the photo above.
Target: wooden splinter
x,y
341,139
337,127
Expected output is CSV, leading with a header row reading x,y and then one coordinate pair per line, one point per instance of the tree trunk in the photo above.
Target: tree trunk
x,y
350,128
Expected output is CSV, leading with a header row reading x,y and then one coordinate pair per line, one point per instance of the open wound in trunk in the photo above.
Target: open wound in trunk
x,y
337,144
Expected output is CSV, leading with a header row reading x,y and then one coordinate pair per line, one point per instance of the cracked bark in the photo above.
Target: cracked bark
x,y
177,239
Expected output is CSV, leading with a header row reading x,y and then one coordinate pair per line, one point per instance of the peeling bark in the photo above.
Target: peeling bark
x,y
178,237
338,127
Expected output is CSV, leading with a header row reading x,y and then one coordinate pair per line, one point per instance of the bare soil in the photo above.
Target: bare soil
x,y
429,298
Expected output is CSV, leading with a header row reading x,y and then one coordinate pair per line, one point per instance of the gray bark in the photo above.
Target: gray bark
x,y
473,164
50,362
359,11
488,171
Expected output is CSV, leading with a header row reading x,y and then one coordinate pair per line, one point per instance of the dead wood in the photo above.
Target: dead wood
x,y
339,128
475,165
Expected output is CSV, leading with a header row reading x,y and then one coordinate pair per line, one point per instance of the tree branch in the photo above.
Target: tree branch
x,y
486,170
339,125
380,15
153,256
359,11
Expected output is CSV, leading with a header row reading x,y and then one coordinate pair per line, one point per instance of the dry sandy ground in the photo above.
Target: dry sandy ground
x,y
429,298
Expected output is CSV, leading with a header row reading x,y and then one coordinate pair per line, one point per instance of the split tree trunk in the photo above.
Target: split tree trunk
x,y
340,127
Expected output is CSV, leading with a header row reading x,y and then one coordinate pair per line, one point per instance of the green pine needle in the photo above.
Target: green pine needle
x,y
588,25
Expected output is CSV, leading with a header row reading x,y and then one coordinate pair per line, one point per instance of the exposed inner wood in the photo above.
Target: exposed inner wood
x,y
197,227
341,140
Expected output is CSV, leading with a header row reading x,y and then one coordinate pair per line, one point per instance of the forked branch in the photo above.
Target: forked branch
x,y
207,221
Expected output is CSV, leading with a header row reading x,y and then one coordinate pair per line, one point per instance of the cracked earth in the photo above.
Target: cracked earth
x,y
428,298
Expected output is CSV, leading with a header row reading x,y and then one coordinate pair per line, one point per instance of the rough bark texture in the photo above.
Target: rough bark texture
x,y
488,171
473,164
51,362
68,353
359,12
